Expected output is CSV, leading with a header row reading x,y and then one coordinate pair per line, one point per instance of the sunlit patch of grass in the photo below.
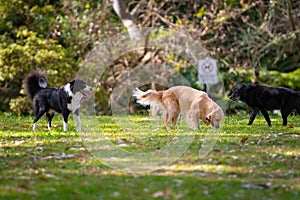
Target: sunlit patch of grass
x,y
247,162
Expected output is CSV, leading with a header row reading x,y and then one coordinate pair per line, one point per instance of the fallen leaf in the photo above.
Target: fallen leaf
x,y
59,156
244,139
116,194
18,142
43,178
234,157
24,186
217,150
39,149
68,148
256,186
178,182
15,162
163,193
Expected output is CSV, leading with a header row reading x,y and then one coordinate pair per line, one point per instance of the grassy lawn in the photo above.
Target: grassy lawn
x,y
247,162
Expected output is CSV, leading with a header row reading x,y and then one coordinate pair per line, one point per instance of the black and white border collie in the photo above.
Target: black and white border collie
x,y
64,100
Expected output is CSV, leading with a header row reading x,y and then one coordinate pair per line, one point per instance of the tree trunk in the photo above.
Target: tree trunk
x,y
256,75
119,7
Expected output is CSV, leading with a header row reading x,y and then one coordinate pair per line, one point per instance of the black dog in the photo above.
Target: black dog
x,y
49,100
263,98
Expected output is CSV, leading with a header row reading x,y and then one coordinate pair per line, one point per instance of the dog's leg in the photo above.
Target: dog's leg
x,y
171,116
193,120
49,117
166,107
253,114
285,111
195,123
193,115
298,111
266,116
298,108
65,125
65,121
171,106
34,126
39,113
175,119
167,120
77,119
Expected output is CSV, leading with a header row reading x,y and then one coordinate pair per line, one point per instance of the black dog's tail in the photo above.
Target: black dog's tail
x,y
34,81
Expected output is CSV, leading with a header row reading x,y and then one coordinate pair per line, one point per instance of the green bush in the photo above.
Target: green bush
x,y
20,106
291,80
27,53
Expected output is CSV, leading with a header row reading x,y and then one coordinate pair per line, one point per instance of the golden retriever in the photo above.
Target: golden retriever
x,y
195,105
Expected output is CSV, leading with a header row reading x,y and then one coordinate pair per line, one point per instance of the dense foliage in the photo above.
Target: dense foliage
x,y
248,37
51,35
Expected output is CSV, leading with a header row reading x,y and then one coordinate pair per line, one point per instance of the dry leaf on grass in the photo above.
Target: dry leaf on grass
x,y
163,193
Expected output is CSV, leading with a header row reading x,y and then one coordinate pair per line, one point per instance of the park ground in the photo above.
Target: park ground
x,y
247,162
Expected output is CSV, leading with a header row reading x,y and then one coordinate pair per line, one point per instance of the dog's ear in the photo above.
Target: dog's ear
x,y
72,85
207,119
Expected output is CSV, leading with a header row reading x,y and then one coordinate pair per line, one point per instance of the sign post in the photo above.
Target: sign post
x,y
207,72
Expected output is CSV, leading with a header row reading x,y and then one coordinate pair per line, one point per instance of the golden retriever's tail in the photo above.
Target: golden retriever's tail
x,y
150,97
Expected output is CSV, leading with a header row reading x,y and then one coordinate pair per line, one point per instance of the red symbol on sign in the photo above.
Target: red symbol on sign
x,y
207,67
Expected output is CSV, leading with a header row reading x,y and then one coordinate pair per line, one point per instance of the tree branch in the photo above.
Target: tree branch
x,y
119,7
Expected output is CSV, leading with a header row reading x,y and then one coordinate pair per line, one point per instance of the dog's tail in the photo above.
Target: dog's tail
x,y
34,81
150,97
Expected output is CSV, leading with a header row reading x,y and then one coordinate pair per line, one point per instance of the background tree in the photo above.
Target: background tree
x,y
51,35
127,19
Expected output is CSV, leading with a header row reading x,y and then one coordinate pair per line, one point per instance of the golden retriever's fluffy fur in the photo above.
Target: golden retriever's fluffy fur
x,y
193,104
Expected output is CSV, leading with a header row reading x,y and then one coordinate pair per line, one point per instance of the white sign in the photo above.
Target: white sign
x,y
207,71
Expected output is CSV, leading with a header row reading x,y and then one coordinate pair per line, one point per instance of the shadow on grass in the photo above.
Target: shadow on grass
x,y
246,163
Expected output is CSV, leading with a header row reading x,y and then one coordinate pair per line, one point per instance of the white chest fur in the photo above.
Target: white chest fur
x,y
75,102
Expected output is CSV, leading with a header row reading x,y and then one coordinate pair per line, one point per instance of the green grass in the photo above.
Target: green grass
x,y
247,162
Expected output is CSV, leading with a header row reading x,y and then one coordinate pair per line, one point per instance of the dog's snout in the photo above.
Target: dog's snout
x,y
217,126
234,97
88,88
